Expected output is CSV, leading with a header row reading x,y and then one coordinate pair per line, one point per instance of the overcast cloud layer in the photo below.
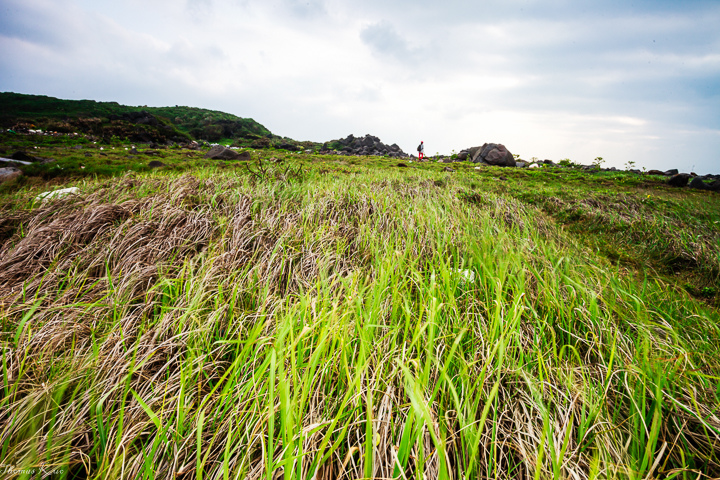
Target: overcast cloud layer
x,y
549,79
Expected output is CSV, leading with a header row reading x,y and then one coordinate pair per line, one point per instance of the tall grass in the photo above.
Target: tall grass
x,y
369,325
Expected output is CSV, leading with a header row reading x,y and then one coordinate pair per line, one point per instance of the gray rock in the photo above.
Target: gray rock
x,y
672,172
474,153
448,169
9,173
521,164
218,152
498,155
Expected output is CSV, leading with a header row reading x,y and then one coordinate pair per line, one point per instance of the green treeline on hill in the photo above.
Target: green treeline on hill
x,y
139,123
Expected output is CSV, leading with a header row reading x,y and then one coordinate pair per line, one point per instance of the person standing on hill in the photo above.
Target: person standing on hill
x,y
421,150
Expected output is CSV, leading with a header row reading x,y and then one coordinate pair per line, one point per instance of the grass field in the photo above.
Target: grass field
x,y
341,317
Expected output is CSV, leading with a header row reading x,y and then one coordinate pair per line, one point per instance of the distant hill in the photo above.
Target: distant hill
x,y
141,123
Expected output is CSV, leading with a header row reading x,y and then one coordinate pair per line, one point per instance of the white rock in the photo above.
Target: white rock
x,y
466,276
57,193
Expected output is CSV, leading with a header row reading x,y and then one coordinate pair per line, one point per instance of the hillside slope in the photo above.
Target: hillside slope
x,y
179,123
320,316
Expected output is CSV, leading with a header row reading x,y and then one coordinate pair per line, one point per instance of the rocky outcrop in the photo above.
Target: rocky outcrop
x,y
367,145
492,154
218,152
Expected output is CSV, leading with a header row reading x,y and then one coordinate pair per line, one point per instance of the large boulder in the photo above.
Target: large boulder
x,y
497,154
679,180
218,152
698,183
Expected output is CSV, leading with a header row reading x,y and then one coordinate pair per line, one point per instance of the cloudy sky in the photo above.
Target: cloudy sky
x,y
631,80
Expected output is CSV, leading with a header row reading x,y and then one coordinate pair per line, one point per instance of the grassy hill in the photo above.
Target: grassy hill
x,y
178,123
343,317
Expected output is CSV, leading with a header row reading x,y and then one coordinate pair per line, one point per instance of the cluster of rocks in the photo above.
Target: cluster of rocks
x,y
699,182
367,145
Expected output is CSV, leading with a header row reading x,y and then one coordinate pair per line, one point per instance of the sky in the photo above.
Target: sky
x,y
629,81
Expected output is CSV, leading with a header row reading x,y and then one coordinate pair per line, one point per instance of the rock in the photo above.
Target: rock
x,y
502,179
57,193
219,152
548,162
448,169
498,155
654,172
401,165
9,173
463,155
287,146
22,156
155,164
244,155
670,173
679,180
134,151
474,154
700,184
635,171
521,164
492,154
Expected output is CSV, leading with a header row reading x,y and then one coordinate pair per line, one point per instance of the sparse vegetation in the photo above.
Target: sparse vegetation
x,y
315,316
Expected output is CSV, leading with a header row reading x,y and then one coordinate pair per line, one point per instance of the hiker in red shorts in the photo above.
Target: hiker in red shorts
x,y
421,150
